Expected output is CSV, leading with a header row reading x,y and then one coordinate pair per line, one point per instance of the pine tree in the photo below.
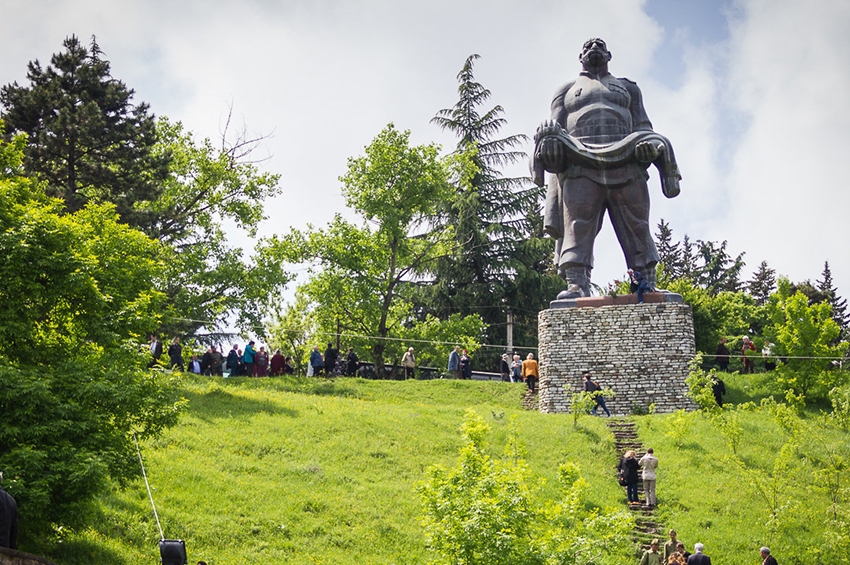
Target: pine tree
x,y
501,259
86,138
839,305
669,253
719,271
762,284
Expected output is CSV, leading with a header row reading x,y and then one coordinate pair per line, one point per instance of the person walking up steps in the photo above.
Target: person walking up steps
x,y
649,464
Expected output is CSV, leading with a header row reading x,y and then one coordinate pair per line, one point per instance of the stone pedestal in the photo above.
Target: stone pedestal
x,y
641,351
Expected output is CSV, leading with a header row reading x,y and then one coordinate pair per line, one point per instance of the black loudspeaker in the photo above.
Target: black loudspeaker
x,y
172,551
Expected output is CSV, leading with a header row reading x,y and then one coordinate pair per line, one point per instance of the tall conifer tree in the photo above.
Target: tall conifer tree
x,y
839,305
762,284
501,261
87,139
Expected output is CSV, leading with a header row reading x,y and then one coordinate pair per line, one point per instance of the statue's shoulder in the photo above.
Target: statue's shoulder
x,y
563,89
628,84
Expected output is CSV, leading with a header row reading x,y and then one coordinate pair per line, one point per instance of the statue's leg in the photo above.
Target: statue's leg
x,y
578,283
628,207
584,206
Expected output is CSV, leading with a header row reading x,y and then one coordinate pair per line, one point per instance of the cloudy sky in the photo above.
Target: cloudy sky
x,y
753,93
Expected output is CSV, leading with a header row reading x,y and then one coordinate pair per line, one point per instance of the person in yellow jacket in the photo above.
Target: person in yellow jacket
x,y
530,372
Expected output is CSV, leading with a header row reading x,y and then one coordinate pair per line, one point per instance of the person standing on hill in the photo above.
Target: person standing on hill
x,y
156,350
233,361
261,362
454,363
649,464
8,519
746,347
248,359
277,366
629,468
698,557
651,555
331,357
352,363
670,546
175,354
316,362
516,369
721,356
505,368
530,372
767,558
408,363
465,365
594,389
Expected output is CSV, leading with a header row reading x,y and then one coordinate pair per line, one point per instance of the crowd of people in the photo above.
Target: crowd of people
x,y
250,362
630,472
749,354
674,553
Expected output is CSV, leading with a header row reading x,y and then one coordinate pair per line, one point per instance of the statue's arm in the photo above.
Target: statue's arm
x,y
549,152
640,121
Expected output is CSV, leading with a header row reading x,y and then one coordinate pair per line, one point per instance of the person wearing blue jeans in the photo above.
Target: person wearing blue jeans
x,y
596,390
639,284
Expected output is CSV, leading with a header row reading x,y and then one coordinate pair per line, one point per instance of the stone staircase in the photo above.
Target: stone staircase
x,y
530,400
626,438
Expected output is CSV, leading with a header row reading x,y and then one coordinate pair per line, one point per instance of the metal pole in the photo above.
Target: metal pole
x,y
510,326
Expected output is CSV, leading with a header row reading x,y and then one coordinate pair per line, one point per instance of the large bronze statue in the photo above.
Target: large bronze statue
x,y
598,144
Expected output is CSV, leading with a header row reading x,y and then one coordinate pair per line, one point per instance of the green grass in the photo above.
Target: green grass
x,y
311,471
706,497
324,471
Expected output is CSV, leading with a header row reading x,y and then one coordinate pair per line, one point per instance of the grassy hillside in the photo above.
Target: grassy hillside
x,y
307,471
311,471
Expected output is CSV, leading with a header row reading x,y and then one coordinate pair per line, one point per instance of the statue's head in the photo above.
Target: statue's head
x,y
594,53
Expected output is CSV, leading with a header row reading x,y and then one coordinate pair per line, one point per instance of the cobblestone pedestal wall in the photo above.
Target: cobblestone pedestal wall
x,y
641,351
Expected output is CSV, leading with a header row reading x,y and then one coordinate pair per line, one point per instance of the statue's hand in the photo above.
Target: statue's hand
x,y
647,151
550,150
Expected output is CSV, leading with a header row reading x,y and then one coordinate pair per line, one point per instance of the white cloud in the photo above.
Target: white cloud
x,y
758,124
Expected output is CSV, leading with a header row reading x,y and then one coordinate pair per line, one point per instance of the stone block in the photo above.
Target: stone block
x,y
641,351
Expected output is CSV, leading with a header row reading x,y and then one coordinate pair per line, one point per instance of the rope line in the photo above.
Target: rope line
x,y
150,496
534,348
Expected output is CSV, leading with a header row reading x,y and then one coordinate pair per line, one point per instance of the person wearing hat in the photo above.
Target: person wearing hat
x,y
505,368
8,519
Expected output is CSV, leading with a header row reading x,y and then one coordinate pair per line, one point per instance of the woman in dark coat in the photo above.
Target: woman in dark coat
x,y
465,366
629,467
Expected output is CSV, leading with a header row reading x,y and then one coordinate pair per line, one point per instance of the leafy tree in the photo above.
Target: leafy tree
x,y
718,315
73,383
359,272
839,305
484,511
500,259
762,284
803,334
292,329
208,280
87,140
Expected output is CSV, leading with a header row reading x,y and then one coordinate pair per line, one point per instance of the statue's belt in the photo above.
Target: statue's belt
x,y
612,156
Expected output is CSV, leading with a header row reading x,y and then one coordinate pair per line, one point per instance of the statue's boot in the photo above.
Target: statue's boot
x,y
578,283
649,274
